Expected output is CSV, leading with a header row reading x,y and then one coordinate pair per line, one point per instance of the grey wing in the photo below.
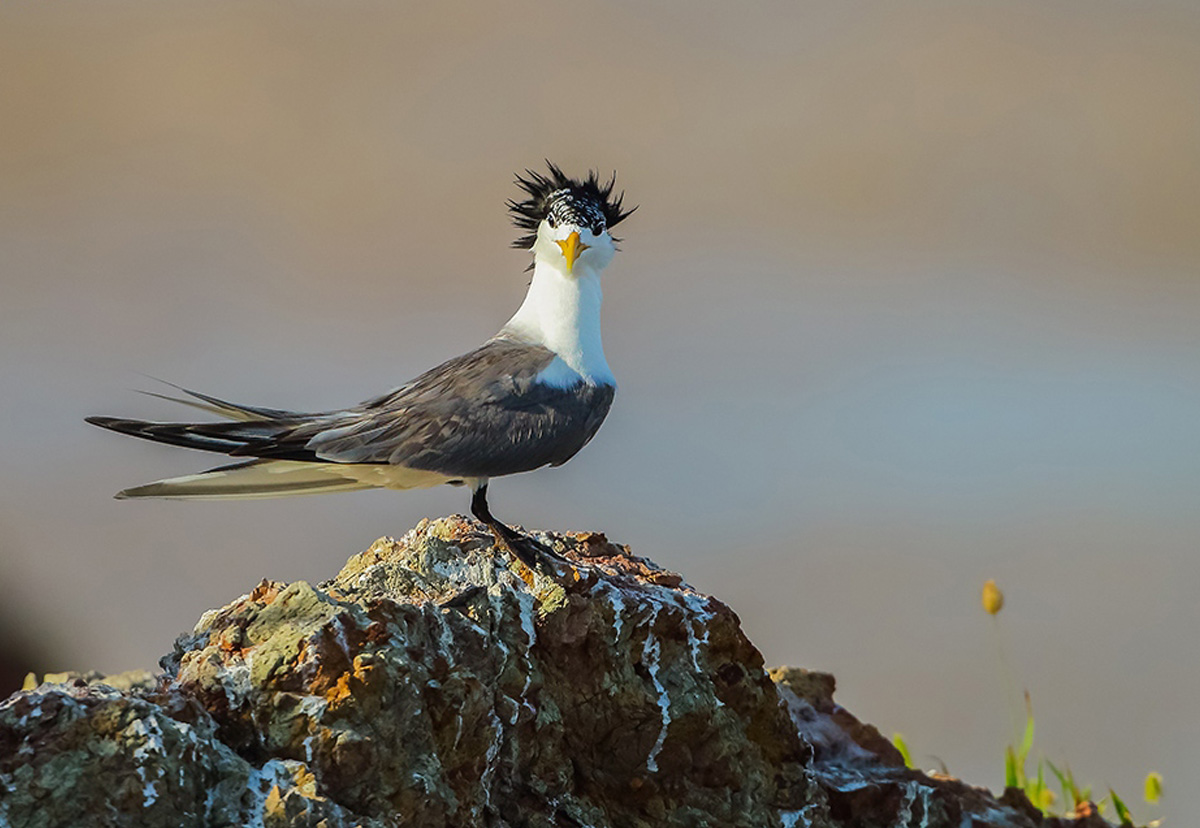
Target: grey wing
x,y
482,414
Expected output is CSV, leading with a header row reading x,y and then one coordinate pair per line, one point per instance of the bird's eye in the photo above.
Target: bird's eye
x,y
550,220
598,230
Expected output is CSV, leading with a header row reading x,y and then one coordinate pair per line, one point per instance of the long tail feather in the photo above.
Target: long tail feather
x,y
255,479
218,406
222,437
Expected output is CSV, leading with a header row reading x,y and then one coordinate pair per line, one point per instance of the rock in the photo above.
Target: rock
x,y
129,680
438,682
835,736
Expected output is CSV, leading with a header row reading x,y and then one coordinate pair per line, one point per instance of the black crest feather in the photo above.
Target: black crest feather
x,y
543,190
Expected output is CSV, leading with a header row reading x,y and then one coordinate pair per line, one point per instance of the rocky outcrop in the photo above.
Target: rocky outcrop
x,y
436,681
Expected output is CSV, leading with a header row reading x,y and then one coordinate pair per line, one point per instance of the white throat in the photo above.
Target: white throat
x,y
562,313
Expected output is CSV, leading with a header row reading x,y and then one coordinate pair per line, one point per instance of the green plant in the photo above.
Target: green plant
x,y
1074,799
1014,766
1122,811
901,746
1071,799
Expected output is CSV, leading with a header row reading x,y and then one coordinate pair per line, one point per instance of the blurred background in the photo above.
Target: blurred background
x,y
912,301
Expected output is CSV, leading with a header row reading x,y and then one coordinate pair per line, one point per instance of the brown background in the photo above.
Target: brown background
x,y
911,301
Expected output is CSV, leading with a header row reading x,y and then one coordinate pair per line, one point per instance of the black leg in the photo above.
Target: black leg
x,y
532,553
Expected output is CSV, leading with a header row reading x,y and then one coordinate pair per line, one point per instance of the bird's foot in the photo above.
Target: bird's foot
x,y
532,552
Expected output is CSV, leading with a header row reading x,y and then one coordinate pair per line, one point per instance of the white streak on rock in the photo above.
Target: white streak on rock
x,y
794,819
259,784
445,637
926,801
339,636
692,639
313,707
493,749
151,743
456,571
651,655
904,812
210,799
913,791
528,611
618,605
525,602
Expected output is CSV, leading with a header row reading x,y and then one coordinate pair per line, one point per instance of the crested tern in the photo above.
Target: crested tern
x,y
531,396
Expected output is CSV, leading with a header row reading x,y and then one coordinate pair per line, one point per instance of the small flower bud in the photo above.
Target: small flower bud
x,y
993,598
1154,787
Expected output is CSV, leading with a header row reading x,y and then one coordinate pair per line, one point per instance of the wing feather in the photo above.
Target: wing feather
x,y
255,479
482,414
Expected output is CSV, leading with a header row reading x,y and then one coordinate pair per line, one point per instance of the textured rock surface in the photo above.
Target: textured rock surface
x,y
437,682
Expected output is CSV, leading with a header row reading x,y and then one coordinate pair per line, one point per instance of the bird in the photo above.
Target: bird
x,y
530,396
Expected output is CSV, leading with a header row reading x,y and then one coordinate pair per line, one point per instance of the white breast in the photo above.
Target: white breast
x,y
562,313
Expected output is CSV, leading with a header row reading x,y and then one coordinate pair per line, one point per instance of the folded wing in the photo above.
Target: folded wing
x,y
480,415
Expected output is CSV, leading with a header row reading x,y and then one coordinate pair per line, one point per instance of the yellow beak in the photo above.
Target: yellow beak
x,y
571,248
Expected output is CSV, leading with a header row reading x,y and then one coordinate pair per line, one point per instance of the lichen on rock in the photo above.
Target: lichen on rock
x,y
436,681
